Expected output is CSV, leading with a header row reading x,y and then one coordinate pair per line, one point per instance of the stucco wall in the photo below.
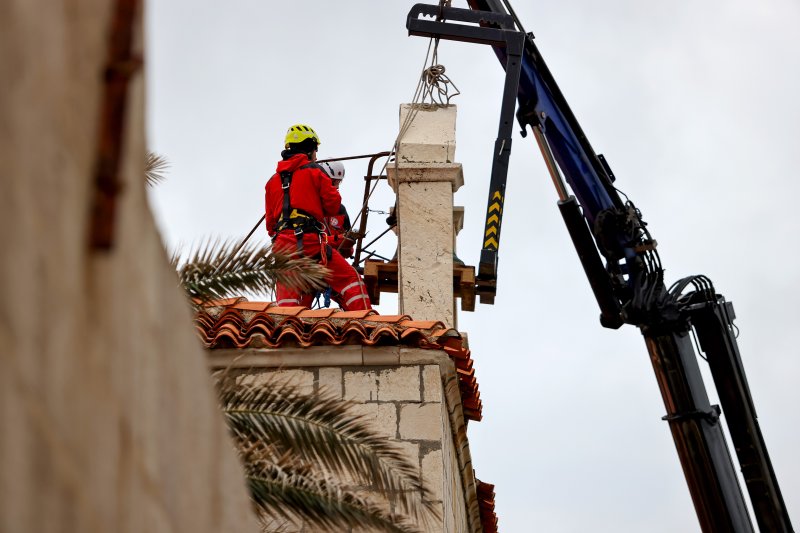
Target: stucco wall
x,y
108,420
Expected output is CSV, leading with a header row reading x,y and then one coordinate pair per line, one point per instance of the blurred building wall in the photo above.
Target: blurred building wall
x,y
108,420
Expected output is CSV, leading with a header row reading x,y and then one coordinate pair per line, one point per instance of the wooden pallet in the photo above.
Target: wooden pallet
x,y
380,276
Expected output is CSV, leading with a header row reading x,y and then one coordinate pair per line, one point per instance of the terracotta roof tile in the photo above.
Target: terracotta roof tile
x,y
252,306
289,311
317,313
224,302
486,504
387,318
237,323
356,314
422,324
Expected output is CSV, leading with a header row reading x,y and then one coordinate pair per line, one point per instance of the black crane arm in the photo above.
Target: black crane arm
x,y
624,270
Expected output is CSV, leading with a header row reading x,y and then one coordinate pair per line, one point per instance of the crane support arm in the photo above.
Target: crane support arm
x,y
624,270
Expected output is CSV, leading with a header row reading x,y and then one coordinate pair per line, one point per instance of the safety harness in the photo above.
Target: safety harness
x,y
299,221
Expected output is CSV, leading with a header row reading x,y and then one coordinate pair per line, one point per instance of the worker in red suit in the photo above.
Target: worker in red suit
x,y
298,198
338,225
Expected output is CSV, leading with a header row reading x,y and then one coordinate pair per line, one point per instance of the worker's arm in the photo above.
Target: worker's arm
x,y
329,195
347,225
269,204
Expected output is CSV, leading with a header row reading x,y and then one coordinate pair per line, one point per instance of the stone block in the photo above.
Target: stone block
x,y
452,173
436,525
458,219
381,356
330,380
416,356
431,383
361,386
400,384
425,281
433,473
410,450
302,380
381,416
429,133
421,422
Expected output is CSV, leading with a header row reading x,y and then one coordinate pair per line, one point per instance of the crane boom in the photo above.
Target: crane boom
x,y
624,269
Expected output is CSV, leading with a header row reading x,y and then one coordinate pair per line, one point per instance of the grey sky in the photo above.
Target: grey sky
x,y
693,103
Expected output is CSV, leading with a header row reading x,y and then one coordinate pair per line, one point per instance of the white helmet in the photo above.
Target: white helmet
x,y
334,169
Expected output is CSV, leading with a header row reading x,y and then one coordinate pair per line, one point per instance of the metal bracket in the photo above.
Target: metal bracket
x,y
494,29
712,416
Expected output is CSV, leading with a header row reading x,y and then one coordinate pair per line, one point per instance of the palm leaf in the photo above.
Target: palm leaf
x,y
323,430
220,269
154,167
288,490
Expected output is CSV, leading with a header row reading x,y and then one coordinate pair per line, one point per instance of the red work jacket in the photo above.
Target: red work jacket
x,y
311,191
337,225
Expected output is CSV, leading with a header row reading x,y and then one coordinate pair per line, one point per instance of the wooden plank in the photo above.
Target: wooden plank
x,y
371,281
381,277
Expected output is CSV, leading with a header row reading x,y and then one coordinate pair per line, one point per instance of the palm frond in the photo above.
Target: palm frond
x,y
155,166
288,490
323,430
223,268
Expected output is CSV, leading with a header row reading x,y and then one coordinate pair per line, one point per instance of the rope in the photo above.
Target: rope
x,y
437,85
433,86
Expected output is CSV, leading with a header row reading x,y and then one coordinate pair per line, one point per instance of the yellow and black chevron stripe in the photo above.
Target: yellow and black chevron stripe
x,y
494,215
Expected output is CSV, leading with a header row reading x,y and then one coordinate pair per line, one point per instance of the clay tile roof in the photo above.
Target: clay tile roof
x,y
486,504
251,306
237,323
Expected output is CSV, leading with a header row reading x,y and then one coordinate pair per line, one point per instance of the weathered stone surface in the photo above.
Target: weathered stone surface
x,y
286,357
421,422
426,251
382,416
361,386
415,356
432,383
400,384
411,450
424,180
451,173
433,466
302,380
381,355
430,135
330,380
422,437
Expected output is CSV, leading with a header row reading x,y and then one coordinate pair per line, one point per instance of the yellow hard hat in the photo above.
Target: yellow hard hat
x,y
299,133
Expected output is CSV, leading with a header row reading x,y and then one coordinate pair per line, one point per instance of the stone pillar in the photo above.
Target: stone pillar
x,y
425,177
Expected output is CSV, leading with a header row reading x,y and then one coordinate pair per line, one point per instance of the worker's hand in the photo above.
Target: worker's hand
x,y
352,236
346,248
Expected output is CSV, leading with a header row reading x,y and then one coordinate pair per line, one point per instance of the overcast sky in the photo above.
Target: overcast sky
x,y
694,104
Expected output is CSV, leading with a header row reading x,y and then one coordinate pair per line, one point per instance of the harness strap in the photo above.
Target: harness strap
x,y
294,219
286,182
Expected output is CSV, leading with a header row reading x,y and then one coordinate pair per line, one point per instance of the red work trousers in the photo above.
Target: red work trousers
x,y
342,278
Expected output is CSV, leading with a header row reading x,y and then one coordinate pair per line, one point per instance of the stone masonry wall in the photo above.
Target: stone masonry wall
x,y
407,402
